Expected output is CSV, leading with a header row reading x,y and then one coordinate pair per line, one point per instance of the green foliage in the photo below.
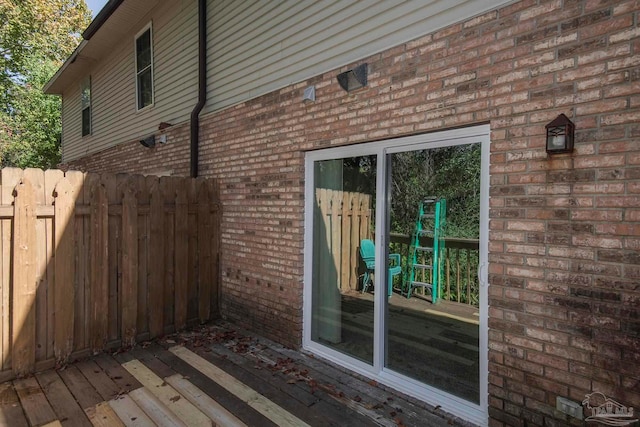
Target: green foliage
x,y
30,123
35,37
449,172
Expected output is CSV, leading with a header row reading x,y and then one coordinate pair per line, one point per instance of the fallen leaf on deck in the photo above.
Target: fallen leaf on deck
x,y
175,398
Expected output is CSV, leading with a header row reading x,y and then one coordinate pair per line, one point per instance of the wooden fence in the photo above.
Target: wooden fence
x,y
345,218
95,261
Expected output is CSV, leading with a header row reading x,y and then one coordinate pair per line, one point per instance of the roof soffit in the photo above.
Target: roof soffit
x,y
122,23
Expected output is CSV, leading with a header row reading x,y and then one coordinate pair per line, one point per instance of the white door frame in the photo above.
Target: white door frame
x,y
477,413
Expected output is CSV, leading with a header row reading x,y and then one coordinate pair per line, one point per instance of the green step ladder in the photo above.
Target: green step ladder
x,y
430,223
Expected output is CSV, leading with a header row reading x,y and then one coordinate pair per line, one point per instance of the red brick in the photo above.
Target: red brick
x,y
562,227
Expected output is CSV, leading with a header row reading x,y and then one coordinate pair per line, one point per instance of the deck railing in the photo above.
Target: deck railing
x,y
460,281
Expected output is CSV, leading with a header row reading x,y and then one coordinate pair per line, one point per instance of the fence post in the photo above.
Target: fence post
x,y
129,296
63,288
24,279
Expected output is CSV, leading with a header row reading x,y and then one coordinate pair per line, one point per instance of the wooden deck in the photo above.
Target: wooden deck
x,y
217,375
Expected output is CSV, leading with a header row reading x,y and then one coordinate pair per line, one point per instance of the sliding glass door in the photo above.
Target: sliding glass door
x,y
395,264
432,321
343,216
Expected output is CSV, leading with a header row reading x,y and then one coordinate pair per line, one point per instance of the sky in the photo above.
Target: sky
x,y
96,6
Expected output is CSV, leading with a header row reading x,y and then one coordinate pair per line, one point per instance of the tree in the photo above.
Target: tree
x,y
35,38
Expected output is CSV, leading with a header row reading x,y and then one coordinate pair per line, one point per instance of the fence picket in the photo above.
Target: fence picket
x,y
36,178
114,229
51,179
345,257
129,289
10,177
215,248
204,252
99,266
143,254
168,194
181,259
24,279
63,283
156,261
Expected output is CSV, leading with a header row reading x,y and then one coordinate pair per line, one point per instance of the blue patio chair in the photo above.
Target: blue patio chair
x,y
368,254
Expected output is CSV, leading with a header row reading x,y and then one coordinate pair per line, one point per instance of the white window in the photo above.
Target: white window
x,y
144,68
86,106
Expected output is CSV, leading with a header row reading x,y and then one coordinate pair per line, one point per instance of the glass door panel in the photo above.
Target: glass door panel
x,y
342,315
432,319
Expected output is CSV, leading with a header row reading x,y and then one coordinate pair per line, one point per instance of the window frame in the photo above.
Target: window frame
x,y
85,85
477,413
148,27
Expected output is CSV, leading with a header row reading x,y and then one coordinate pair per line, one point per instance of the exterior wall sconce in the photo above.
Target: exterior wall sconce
x,y
560,135
353,79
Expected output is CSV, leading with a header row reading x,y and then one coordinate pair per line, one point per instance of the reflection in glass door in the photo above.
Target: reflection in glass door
x,y
407,309
343,235
432,332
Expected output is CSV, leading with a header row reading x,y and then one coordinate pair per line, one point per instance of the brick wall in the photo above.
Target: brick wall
x,y
564,231
170,158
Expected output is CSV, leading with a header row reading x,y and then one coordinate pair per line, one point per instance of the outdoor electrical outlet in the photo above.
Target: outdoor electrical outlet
x,y
569,407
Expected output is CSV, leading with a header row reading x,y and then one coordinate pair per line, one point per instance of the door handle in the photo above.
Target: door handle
x,y
481,266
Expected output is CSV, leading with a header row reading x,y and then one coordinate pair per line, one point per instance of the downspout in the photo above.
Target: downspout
x,y
202,85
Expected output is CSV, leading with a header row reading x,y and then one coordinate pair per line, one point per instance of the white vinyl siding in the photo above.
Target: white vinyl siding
x,y
256,46
253,47
113,80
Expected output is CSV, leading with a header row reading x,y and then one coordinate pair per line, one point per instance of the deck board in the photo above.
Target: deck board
x,y
64,405
258,402
214,374
34,402
166,394
102,415
106,388
294,399
216,412
130,413
81,389
11,414
229,401
117,373
294,383
155,409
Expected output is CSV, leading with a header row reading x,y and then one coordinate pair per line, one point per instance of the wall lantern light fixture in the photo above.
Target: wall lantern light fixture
x,y
353,79
560,135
